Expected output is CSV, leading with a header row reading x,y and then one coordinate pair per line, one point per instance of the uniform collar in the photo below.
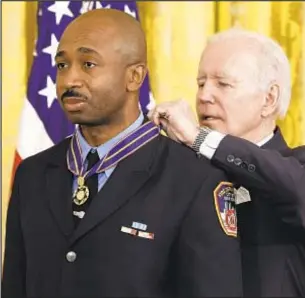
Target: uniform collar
x,y
104,148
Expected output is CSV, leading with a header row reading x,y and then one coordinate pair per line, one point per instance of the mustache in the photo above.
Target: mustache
x,y
72,93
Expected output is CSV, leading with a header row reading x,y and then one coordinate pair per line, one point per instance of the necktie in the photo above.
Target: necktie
x,y
92,181
92,184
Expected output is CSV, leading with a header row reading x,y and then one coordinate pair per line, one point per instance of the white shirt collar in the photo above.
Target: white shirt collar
x,y
265,140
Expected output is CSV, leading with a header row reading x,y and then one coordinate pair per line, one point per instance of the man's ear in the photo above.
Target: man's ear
x,y
135,76
271,101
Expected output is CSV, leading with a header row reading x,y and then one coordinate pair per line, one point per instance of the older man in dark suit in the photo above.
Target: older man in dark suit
x,y
243,87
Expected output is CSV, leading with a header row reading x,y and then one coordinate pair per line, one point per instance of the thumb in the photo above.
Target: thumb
x,y
164,124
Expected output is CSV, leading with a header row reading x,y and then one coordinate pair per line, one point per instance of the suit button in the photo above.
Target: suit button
x,y
230,158
238,161
71,256
244,164
251,167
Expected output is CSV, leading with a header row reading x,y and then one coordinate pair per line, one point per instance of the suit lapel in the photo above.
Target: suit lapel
x,y
127,179
59,190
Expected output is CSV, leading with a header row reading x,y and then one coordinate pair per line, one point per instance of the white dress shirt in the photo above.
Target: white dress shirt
x,y
213,139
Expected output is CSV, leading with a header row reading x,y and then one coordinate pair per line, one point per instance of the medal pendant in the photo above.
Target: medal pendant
x,y
80,181
81,195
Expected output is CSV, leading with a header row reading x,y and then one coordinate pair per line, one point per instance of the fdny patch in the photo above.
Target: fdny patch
x,y
224,199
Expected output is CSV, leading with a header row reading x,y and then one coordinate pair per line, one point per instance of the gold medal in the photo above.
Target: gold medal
x,y
147,132
81,194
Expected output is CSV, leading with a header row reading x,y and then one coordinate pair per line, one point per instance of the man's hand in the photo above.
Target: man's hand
x,y
177,120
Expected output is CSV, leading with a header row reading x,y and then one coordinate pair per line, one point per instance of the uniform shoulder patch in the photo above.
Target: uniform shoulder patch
x,y
224,200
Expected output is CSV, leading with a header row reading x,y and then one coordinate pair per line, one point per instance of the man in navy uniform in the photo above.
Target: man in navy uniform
x,y
117,210
243,87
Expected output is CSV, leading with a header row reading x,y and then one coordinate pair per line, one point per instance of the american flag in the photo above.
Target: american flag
x,y
43,123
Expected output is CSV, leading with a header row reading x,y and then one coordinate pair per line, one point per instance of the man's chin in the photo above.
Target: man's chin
x,y
76,119
208,123
215,124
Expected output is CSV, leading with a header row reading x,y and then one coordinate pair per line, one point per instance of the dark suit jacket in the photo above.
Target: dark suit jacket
x,y
161,185
272,225
297,152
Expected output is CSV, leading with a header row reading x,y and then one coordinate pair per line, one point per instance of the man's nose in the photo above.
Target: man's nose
x,y
205,94
72,78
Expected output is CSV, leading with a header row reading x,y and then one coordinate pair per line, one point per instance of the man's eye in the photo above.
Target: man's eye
x,y
60,65
89,64
223,84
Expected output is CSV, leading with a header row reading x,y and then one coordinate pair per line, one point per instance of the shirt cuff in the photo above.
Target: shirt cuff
x,y
211,143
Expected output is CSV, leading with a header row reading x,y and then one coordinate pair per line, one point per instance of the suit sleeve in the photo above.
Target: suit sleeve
x,y
14,266
283,178
208,258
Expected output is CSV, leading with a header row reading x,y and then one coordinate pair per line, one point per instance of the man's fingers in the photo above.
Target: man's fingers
x,y
150,113
157,114
164,124
153,116
164,115
171,134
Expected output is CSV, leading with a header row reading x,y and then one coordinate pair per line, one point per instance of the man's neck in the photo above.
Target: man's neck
x,y
100,134
260,135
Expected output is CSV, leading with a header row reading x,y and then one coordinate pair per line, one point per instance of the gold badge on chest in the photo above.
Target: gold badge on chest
x,y
81,194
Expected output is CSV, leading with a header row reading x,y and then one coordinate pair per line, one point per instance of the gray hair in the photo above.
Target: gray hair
x,y
273,64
